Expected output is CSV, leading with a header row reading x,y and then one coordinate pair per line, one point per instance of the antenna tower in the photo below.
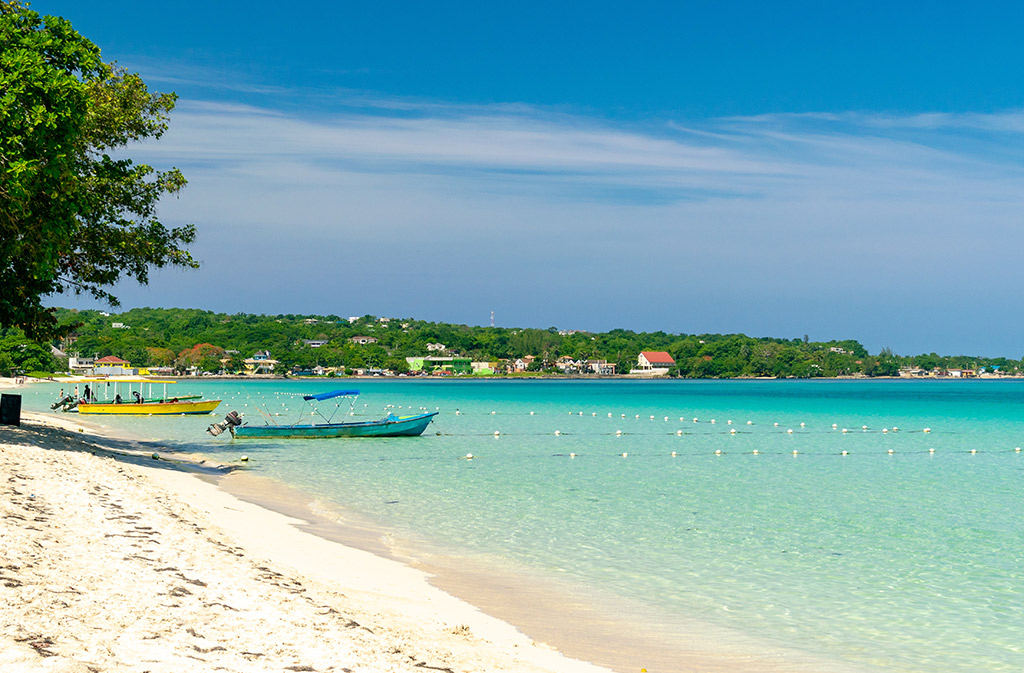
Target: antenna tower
x,y
492,318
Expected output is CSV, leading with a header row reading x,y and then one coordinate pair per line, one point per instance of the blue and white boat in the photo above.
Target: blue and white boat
x,y
389,426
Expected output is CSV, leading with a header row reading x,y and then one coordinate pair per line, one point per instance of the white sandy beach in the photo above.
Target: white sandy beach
x,y
114,562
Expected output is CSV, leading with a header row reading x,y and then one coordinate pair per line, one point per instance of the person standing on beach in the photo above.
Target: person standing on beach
x,y
88,392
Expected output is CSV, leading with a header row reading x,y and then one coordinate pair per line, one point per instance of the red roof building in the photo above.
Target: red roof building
x,y
655,359
111,360
653,363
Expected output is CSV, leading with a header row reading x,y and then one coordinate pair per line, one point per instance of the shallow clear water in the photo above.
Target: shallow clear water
x,y
903,561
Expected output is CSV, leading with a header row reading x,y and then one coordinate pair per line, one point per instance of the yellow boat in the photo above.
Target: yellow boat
x,y
134,402
149,408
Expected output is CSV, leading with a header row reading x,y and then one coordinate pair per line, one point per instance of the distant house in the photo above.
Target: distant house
x,y
315,343
81,366
435,347
523,363
653,363
112,366
601,367
567,365
483,367
259,363
363,340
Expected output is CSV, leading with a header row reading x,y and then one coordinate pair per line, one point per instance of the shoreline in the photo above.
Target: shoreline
x,y
114,561
9,383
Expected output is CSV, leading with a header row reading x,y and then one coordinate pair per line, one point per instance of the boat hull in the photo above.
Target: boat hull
x,y
404,426
150,408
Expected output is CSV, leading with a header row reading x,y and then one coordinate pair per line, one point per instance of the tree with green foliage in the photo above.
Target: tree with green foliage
x,y
20,355
73,218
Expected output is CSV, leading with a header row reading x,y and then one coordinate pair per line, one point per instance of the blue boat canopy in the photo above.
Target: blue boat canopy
x,y
330,395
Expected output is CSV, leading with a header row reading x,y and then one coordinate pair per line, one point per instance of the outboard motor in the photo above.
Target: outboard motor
x,y
229,423
64,403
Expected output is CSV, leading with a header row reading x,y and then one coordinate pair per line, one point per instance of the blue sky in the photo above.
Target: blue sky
x,y
842,170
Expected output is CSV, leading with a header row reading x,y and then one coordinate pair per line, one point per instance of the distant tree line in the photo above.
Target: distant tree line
x,y
180,338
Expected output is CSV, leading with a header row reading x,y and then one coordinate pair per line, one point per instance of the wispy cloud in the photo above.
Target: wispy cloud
x,y
748,224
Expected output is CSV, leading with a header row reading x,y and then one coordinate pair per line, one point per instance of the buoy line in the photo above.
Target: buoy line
x,y
718,453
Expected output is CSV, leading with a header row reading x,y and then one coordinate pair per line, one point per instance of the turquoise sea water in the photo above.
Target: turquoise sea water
x,y
908,561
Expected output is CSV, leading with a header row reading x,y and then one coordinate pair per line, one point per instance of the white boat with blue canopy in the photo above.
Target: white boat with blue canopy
x,y
389,426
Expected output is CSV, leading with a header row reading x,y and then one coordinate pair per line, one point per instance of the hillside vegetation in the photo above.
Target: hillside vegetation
x,y
182,337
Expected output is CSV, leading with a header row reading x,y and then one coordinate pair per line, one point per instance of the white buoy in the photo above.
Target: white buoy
x,y
618,433
679,432
625,455
756,452
732,431
775,424
469,456
795,452
718,452
1017,449
609,414
652,417
493,412
863,427
728,422
557,432
695,419
927,430
834,426
895,429
713,421
531,413
244,459
496,433
666,418
885,431
572,455
790,431
594,414
845,431
974,450
931,450
802,425
890,452
844,452
638,415
750,422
